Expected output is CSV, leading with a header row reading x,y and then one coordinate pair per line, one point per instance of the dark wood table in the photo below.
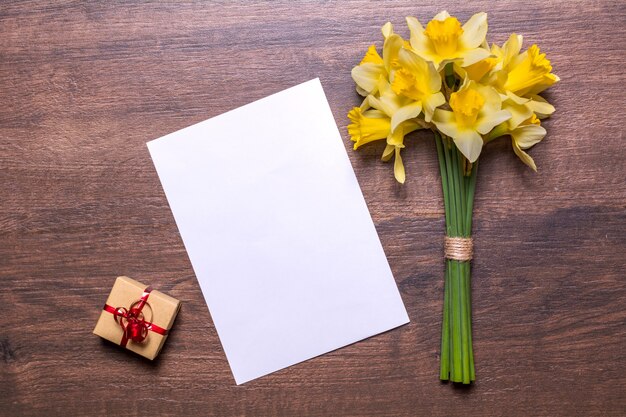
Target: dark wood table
x,y
84,85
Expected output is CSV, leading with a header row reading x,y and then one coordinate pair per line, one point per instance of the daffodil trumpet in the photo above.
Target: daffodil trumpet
x,y
448,79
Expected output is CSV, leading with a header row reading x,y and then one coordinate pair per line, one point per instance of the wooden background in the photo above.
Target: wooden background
x,y
84,85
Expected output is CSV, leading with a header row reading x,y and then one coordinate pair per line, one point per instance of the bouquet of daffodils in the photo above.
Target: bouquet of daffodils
x,y
447,79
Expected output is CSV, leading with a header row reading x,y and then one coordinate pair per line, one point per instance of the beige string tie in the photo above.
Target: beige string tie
x,y
459,248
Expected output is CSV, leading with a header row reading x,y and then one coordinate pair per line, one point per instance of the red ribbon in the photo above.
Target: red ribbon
x,y
132,320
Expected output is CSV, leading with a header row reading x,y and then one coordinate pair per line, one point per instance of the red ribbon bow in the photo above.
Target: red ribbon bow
x,y
132,320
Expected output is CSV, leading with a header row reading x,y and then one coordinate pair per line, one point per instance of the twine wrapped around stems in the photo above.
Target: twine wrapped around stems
x,y
459,248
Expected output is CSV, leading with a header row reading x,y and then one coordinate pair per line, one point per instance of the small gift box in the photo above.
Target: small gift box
x,y
137,317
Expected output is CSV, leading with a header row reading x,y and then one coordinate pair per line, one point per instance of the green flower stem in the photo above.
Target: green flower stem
x,y
470,199
455,313
460,266
458,186
445,334
450,79
468,287
444,177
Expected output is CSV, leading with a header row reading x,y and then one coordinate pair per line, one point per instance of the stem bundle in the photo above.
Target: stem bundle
x,y
458,180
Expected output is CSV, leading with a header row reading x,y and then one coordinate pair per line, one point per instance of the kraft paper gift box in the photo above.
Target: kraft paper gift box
x,y
137,317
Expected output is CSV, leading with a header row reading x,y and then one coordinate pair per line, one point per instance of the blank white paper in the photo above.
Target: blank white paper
x,y
277,231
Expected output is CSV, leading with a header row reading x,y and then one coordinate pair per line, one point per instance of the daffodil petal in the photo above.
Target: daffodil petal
x,y
418,65
431,103
528,135
396,138
516,99
371,56
387,30
398,168
411,61
443,15
474,31
519,113
511,48
493,100
390,49
418,40
540,106
448,129
384,88
524,157
472,56
361,91
404,113
469,142
410,126
440,64
373,102
365,105
388,153
490,120
366,76
388,101
443,116
434,78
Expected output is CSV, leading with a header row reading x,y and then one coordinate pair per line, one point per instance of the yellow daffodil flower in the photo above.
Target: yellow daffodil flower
x,y
524,127
401,112
367,73
371,125
478,70
418,80
540,106
522,108
519,109
476,109
367,126
526,135
373,67
499,55
399,108
505,70
404,89
525,74
529,73
383,122
444,40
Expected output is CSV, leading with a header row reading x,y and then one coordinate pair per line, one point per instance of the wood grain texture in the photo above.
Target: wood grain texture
x,y
84,85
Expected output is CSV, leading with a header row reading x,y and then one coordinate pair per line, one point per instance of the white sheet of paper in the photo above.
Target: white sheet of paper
x,y
277,231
